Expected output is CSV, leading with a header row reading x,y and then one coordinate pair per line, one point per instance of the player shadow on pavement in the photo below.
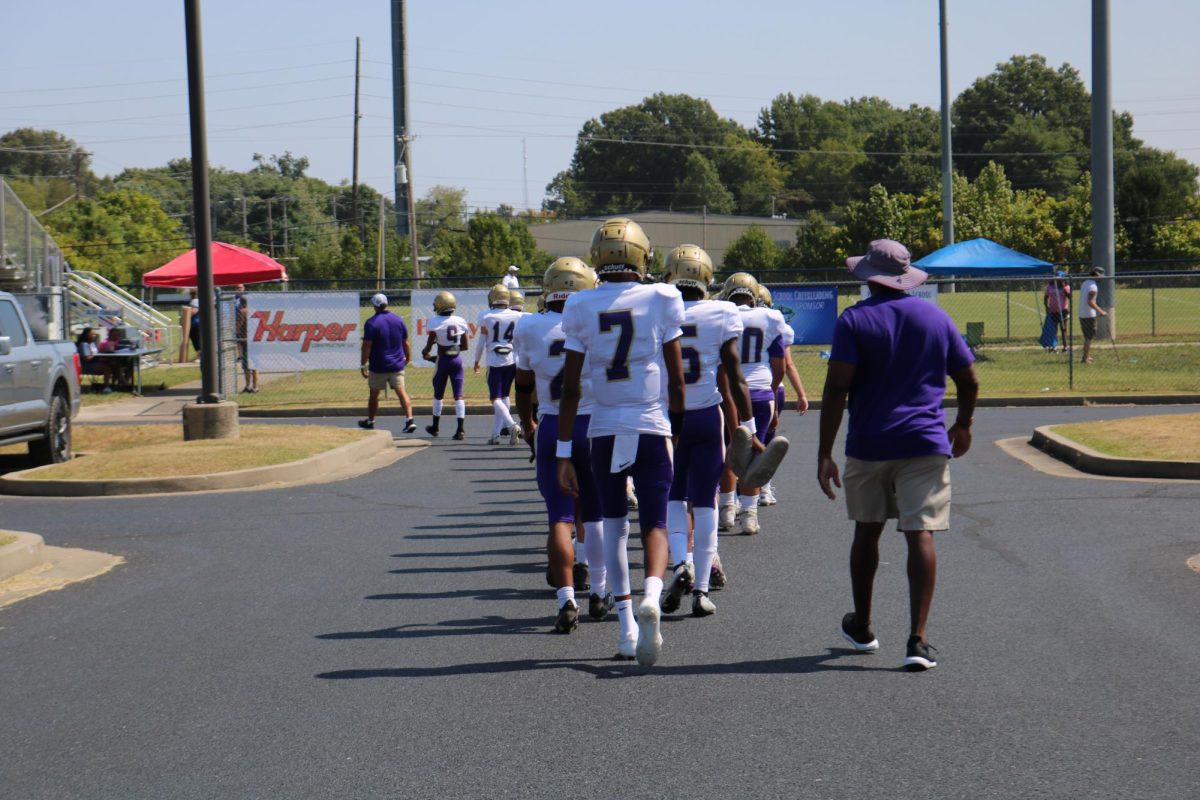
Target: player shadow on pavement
x,y
608,669
485,595
535,551
481,535
462,525
520,568
489,625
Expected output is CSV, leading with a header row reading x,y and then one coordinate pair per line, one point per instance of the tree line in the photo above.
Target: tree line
x,y
848,171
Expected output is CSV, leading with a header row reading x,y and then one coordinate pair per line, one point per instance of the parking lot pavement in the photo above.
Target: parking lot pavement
x,y
388,636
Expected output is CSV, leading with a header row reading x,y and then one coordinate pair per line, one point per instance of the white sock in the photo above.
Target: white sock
x,y
564,594
748,501
691,559
677,530
653,588
460,408
705,537
501,406
728,498
616,555
581,556
594,543
625,617
437,408
497,418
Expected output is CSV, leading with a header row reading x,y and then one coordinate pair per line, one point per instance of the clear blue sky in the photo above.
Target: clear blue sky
x,y
487,75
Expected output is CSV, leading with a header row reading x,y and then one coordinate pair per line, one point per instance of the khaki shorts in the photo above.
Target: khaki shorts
x,y
378,381
913,491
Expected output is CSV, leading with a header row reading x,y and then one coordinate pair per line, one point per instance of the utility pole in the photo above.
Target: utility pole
x,y
357,117
285,227
402,142
947,150
200,211
1103,248
381,259
245,222
525,169
270,228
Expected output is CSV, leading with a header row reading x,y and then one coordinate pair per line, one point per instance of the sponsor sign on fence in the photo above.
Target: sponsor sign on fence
x,y
294,331
471,303
810,311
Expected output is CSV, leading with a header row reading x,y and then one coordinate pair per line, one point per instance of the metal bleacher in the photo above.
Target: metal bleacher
x,y
96,300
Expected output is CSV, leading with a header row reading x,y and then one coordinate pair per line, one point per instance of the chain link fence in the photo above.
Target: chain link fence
x,y
1156,349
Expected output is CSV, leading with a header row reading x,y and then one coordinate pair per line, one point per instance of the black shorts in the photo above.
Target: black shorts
x,y
1087,326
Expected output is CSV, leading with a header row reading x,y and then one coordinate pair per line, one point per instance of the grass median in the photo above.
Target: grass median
x,y
1167,437
6,539
154,380
110,452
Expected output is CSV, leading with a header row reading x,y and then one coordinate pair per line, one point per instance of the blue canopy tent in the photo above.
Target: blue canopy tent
x,y
982,258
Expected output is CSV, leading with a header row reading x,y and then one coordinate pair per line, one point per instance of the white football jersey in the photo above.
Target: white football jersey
x,y
541,349
760,327
707,326
495,331
622,328
448,331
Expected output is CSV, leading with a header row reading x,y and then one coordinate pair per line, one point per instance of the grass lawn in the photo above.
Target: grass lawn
x,y
165,376
153,451
6,538
1175,437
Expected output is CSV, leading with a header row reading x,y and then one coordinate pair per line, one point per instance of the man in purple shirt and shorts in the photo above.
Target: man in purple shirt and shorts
x,y
891,354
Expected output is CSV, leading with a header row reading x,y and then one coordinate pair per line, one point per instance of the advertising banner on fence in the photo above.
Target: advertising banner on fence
x,y
810,311
471,303
295,331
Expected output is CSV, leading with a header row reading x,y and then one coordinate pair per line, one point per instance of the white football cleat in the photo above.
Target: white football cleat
x,y
514,435
493,439
627,648
767,496
748,521
727,516
649,643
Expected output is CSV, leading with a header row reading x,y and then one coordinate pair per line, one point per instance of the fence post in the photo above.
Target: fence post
x,y
1007,311
1153,311
1070,344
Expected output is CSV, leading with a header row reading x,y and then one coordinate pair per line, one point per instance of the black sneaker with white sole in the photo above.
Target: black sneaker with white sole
x,y
860,636
920,655
598,607
367,424
410,426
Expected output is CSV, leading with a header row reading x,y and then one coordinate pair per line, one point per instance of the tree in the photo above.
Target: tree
x,y
488,245
887,161
1152,187
753,251
442,208
45,168
819,243
286,166
700,187
119,234
751,173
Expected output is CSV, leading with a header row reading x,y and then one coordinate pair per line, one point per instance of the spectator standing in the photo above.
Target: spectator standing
x,y
241,312
385,353
1057,301
189,323
891,354
510,280
1088,311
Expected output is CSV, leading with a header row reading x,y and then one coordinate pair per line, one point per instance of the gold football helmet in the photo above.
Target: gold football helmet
x,y
741,284
516,300
620,245
541,303
566,276
762,296
444,304
688,266
498,296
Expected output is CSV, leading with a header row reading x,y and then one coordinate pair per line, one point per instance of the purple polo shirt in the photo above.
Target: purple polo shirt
x,y
903,348
387,333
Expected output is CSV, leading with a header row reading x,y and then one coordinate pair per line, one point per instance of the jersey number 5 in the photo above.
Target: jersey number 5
x,y
691,356
619,371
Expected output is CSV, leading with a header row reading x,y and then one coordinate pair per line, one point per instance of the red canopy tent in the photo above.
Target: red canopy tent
x,y
231,265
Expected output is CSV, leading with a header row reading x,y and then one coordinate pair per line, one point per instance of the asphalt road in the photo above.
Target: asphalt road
x,y
388,637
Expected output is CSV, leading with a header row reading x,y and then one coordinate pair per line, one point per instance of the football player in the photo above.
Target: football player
x,y
710,341
450,334
761,327
540,344
516,300
781,348
629,332
495,337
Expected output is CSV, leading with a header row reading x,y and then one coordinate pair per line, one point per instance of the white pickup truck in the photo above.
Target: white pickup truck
x,y
39,388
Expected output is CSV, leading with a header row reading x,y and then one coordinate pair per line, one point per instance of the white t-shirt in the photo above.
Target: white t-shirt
x,y
448,330
622,328
510,281
761,326
495,331
708,325
541,349
1085,291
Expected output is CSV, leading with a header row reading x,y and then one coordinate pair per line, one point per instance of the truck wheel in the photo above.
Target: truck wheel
x,y
55,446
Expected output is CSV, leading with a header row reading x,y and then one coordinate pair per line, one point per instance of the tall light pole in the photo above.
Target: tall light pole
x,y
1103,234
402,142
947,161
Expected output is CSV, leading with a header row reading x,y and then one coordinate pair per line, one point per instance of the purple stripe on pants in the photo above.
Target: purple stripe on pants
x,y
559,506
651,471
448,368
500,381
700,459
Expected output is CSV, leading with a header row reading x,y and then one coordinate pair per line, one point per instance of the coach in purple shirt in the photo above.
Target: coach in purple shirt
x,y
891,354
385,352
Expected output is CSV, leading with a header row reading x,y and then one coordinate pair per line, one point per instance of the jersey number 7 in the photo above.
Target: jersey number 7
x,y
623,320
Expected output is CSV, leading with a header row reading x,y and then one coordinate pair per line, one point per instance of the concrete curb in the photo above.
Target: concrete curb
x,y
27,552
1087,460
1031,401
306,469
